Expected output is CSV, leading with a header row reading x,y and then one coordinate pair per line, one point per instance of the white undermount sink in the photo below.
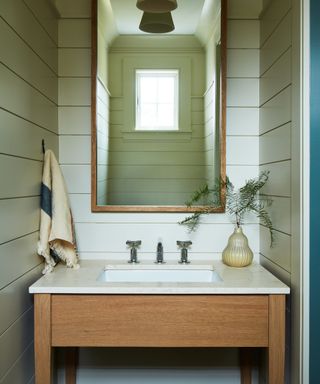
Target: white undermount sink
x,y
159,274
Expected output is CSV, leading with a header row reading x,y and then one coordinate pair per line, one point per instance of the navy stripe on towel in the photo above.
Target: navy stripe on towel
x,y
45,200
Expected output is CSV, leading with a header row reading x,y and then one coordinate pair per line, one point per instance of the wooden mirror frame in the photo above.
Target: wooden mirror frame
x,y
223,87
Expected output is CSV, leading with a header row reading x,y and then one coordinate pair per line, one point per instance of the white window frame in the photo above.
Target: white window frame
x,y
157,73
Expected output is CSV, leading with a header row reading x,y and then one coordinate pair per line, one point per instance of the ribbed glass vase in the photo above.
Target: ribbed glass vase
x,y
237,252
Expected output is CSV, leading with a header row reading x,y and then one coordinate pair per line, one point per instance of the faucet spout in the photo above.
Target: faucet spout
x,y
159,259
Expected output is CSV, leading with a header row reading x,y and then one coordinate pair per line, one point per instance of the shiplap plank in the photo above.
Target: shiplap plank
x,y
156,171
279,272
243,62
75,33
14,340
244,9
20,18
75,149
159,144
272,16
46,13
21,138
74,8
74,62
279,183
22,99
17,257
275,145
243,34
74,120
16,299
26,179
236,153
18,217
280,213
280,252
242,92
112,237
149,198
239,174
276,112
77,178
23,368
74,91
277,44
242,121
276,78
32,69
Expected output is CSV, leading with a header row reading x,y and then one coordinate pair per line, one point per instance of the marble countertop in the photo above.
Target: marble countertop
x,y
253,279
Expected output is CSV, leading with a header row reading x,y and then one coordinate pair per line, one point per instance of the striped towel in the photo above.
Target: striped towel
x,y
57,237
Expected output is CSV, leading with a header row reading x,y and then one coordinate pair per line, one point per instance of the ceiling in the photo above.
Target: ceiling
x,y
186,17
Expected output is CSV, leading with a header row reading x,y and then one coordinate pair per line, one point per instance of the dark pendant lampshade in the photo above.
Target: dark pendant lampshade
x,y
157,6
156,22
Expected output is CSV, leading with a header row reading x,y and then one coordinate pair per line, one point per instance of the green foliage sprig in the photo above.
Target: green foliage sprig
x,y
238,202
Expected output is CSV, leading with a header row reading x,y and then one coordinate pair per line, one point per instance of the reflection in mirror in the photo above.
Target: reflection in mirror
x,y
158,106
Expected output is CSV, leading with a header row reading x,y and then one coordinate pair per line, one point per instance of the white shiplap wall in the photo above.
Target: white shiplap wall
x,y
275,131
28,114
103,235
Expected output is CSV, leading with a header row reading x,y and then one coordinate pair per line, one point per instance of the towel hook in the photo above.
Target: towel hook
x,y
43,146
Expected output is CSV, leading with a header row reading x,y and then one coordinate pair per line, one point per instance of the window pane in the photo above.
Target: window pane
x,y
166,90
166,115
148,115
148,89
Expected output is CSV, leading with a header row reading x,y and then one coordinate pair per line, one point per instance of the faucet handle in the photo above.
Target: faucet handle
x,y
133,244
184,251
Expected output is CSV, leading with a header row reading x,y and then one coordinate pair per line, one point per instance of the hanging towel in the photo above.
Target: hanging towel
x,y
57,237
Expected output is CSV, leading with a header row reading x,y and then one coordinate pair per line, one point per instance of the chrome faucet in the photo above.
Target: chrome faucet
x,y
159,259
184,245
133,250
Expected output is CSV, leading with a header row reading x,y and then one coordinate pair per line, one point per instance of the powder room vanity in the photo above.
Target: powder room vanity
x,y
236,308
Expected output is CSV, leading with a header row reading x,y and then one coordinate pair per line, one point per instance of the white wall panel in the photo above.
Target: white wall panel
x,y
18,337
280,253
20,98
276,112
32,69
276,145
276,78
74,62
242,150
18,217
243,121
21,138
273,14
74,91
74,33
77,178
16,299
279,179
75,149
277,44
243,34
74,120
243,92
20,18
26,180
17,257
243,62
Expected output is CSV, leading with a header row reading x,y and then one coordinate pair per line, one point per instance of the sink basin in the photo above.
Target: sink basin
x,y
159,275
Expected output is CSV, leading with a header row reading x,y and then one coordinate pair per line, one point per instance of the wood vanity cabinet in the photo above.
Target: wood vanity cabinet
x,y
66,320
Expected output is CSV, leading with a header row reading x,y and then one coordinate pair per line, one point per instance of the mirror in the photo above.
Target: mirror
x,y
158,106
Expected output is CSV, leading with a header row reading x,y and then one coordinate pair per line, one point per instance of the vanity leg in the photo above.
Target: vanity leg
x,y
276,350
71,365
245,365
42,338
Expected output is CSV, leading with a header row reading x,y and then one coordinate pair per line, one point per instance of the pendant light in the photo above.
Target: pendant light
x,y
157,6
156,22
